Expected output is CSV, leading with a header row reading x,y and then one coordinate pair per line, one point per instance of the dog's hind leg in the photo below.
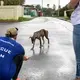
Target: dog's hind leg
x,y
46,35
47,38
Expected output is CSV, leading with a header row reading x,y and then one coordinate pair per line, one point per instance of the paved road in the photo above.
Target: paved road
x,y
56,62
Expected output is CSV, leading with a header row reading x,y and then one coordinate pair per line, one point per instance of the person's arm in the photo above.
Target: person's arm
x,y
72,4
25,58
18,60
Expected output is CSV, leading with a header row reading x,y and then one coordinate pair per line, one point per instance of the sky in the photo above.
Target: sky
x,y
45,2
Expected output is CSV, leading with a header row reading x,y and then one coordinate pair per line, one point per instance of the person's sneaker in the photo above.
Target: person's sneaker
x,y
18,79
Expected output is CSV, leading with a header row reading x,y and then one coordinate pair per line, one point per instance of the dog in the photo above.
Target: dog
x,y
38,35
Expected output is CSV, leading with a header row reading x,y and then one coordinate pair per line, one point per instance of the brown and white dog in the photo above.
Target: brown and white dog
x,y
38,35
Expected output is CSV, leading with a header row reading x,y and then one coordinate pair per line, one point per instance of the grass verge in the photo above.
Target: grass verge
x,y
20,19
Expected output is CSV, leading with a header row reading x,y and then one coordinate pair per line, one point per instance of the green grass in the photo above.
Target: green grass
x,y
8,20
66,18
14,20
24,19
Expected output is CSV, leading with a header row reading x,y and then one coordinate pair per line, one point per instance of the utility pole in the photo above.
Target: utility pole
x,y
42,4
58,6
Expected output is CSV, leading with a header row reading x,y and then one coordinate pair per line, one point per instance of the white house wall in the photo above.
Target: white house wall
x,y
11,12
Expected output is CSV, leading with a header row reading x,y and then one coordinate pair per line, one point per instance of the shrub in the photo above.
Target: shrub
x,y
24,19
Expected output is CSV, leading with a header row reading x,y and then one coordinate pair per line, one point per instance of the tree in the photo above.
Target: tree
x,y
13,2
59,6
31,6
47,11
47,5
54,7
38,7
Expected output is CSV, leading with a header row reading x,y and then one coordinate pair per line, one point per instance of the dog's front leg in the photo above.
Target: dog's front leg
x,y
33,46
43,40
40,42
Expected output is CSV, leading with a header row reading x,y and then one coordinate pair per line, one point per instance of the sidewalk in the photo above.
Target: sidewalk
x,y
54,63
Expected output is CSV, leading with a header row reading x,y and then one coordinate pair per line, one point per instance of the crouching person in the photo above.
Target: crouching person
x,y
12,55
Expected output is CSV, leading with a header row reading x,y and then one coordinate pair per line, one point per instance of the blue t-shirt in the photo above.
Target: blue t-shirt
x,y
9,48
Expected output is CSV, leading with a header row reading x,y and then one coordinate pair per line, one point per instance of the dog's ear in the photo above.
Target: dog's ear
x,y
30,37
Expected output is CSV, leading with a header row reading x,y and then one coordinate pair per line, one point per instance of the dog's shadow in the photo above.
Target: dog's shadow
x,y
42,51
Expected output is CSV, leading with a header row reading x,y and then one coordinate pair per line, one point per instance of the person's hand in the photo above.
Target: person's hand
x,y
25,58
18,79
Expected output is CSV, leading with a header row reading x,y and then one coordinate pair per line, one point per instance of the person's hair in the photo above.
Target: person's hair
x,y
10,34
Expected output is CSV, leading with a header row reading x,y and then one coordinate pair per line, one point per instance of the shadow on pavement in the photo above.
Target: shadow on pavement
x,y
42,51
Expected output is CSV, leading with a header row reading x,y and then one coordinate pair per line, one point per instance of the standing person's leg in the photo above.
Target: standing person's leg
x,y
76,44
